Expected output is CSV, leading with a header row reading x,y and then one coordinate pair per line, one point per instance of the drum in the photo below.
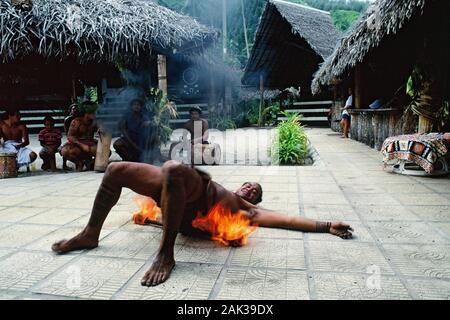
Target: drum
x,y
103,152
8,165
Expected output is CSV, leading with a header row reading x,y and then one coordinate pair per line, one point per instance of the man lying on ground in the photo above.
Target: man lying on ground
x,y
182,192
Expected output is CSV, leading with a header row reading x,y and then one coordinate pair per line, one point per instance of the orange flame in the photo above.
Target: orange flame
x,y
149,211
226,227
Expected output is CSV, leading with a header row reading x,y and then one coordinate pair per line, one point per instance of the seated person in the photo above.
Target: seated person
x,y
198,129
74,113
81,147
50,139
15,138
345,122
138,134
377,104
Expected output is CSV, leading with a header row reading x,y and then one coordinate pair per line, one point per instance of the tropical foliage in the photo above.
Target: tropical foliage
x,y
291,144
209,12
163,110
343,19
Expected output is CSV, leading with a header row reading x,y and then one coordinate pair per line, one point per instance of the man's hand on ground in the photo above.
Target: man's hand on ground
x,y
341,230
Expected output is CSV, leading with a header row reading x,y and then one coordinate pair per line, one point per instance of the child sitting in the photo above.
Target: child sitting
x,y
50,139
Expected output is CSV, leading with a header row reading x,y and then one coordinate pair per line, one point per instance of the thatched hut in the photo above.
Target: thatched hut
x,y
49,49
290,43
378,56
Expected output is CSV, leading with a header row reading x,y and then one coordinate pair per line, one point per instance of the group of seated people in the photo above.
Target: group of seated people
x,y
80,147
139,141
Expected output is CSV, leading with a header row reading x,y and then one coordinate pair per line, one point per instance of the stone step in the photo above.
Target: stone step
x,y
307,119
313,103
308,110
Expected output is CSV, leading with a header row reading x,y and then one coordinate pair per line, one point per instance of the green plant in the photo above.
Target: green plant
x,y
291,145
163,110
253,112
270,114
90,94
223,123
445,117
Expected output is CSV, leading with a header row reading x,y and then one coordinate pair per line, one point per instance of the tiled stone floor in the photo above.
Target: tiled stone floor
x,y
401,248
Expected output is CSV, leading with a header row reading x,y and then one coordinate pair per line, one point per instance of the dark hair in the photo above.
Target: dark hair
x,y
49,119
259,199
87,107
11,113
195,109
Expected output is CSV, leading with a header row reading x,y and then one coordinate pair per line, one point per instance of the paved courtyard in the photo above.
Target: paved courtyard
x,y
401,248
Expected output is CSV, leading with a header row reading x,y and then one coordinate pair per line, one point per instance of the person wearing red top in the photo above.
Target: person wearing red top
x,y
50,139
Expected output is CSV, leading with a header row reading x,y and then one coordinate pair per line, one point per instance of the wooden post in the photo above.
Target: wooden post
x,y
244,22
162,73
224,27
74,89
228,99
358,94
261,99
425,125
212,94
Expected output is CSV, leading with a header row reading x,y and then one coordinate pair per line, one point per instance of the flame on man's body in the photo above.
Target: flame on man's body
x,y
148,211
224,226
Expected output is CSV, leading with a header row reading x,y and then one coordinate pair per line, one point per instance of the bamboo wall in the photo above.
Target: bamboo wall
x,y
372,127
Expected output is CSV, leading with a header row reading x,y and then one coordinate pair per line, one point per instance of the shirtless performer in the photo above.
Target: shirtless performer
x,y
199,131
81,146
74,113
15,138
181,191
196,113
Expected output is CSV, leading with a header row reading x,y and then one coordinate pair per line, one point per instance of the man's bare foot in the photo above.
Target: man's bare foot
x,y
159,272
79,242
341,230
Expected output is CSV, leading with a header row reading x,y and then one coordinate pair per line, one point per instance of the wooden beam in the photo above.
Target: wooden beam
x,y
358,94
261,99
162,73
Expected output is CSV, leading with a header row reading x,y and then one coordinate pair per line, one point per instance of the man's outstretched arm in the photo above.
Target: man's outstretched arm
x,y
271,219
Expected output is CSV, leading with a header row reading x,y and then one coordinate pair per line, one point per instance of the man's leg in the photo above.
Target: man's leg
x,y
346,127
52,161
342,125
125,151
33,157
44,154
181,185
73,154
141,178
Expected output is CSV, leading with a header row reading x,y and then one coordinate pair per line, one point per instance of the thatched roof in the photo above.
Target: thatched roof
x,y
382,18
288,26
96,30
